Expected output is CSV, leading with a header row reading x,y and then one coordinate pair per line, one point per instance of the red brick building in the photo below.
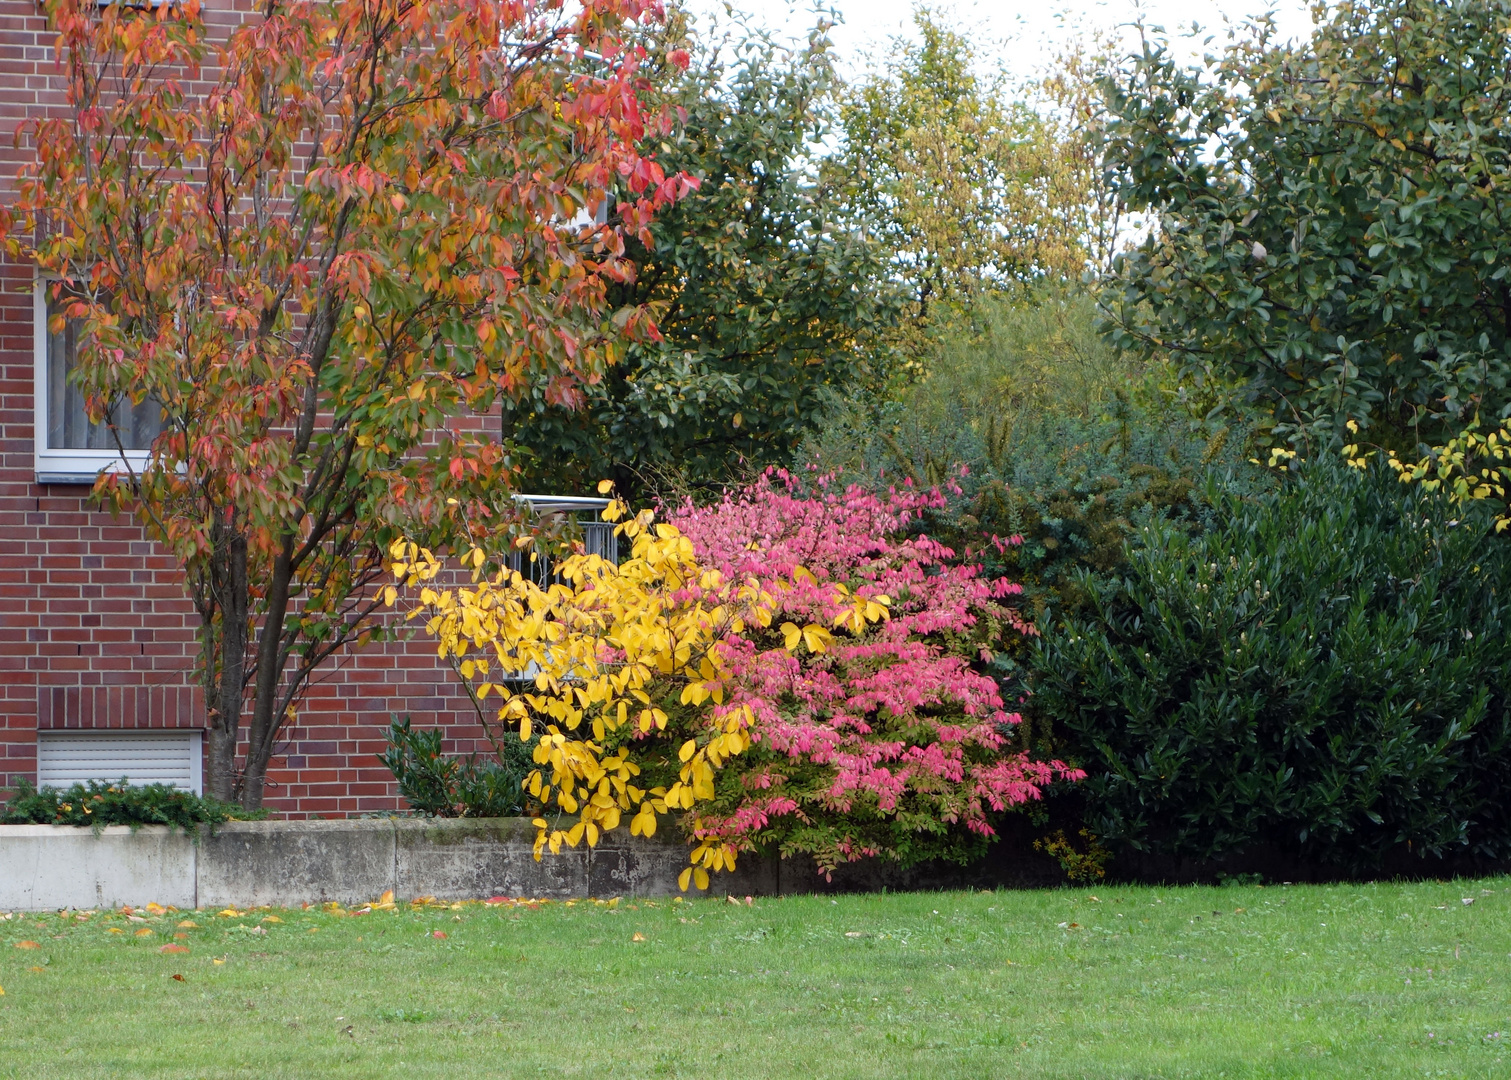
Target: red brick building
x,y
96,636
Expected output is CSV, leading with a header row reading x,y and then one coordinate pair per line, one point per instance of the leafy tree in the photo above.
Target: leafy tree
x,y
764,284
971,191
353,237
1330,219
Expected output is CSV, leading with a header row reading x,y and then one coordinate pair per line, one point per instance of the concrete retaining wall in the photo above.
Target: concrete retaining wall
x,y
45,867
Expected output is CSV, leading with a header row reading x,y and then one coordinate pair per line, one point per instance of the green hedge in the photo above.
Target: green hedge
x,y
98,804
1324,668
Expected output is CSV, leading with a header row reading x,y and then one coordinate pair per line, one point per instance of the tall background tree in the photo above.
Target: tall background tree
x,y
1331,220
976,184
767,288
356,237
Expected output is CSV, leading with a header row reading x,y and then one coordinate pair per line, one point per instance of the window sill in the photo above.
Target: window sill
x,y
82,466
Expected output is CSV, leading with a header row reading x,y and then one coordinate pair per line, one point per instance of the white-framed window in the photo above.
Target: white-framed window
x,y
70,449
65,758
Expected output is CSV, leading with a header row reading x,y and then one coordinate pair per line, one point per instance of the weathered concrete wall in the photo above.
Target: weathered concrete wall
x,y
292,862
44,867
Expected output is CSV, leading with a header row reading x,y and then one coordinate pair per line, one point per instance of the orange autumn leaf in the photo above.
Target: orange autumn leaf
x,y
27,945
174,949
143,932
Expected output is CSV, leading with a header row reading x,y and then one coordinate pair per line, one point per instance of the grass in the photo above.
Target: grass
x,y
1380,980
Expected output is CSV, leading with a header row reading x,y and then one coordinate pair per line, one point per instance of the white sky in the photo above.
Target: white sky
x,y
1019,36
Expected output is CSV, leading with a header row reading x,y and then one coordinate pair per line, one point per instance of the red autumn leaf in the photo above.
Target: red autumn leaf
x,y
438,934
174,949
177,977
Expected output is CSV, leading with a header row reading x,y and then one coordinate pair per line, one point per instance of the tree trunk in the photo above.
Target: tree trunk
x,y
227,670
263,729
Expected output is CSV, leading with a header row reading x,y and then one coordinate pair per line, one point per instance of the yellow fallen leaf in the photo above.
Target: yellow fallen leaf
x,y
36,969
230,913
2,991
218,961
387,897
272,919
188,924
638,936
143,932
156,909
27,945
116,930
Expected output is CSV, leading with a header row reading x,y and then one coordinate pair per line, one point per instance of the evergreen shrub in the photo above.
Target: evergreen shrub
x,y
97,804
1324,668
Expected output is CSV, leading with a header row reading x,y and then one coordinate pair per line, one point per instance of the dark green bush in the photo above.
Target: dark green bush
x,y
442,786
1323,669
99,804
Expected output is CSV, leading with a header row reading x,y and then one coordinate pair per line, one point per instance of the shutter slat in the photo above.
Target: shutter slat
x,y
68,758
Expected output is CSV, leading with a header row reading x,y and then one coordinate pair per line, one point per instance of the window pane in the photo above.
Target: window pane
x,y
68,427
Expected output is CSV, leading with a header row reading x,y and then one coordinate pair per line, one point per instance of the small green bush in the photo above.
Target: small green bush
x,y
441,786
98,804
1325,668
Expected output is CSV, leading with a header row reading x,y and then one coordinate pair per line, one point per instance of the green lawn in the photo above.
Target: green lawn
x,y
1293,981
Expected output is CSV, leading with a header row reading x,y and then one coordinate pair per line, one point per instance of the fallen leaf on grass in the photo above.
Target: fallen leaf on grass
x,y
156,909
188,924
1468,900
36,969
27,945
638,936
116,930
174,949
272,919
438,934
856,933
219,960
178,978
143,932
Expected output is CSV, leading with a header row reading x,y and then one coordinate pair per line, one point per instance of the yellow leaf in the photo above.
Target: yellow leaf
x,y
524,730
387,897
683,878
688,749
605,486
700,877
390,595
791,634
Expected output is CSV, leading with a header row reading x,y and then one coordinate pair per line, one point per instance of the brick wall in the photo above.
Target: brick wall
x,y
95,631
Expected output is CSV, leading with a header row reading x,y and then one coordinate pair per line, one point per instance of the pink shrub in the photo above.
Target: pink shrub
x,y
890,742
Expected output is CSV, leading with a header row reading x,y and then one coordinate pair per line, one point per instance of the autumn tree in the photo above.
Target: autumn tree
x,y
976,185
768,288
363,232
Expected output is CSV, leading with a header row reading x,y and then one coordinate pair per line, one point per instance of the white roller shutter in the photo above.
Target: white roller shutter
x,y
65,758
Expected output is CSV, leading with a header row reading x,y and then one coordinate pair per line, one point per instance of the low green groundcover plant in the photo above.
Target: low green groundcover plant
x,y
98,804
1325,669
